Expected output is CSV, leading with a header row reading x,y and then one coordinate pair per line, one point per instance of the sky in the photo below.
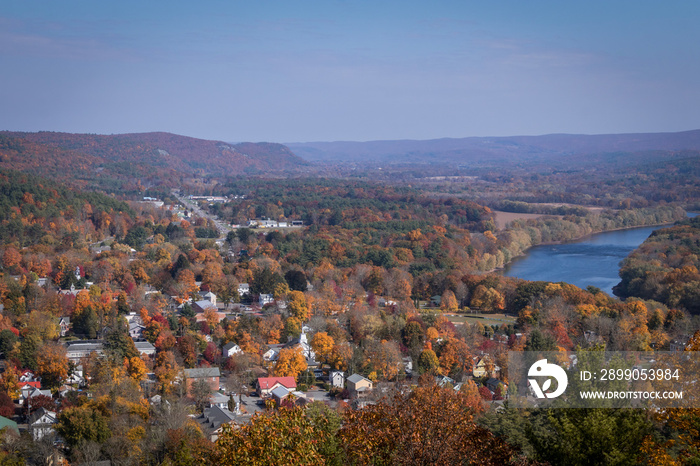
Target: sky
x,y
352,70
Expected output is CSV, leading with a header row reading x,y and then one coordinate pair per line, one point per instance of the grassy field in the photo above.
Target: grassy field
x,y
485,319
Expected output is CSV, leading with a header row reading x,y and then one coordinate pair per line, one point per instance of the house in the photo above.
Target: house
x,y
26,394
63,325
78,349
213,418
303,343
136,330
496,387
75,377
209,296
243,288
41,423
209,374
279,394
267,384
27,378
337,379
482,368
203,304
229,349
678,344
358,384
272,353
265,298
9,423
444,380
407,365
202,318
219,399
145,348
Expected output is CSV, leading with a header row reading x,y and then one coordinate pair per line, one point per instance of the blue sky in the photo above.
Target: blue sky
x,y
294,71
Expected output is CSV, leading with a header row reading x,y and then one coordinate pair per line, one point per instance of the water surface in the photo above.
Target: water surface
x,y
594,260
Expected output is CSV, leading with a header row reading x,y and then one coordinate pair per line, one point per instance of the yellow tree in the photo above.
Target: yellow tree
x,y
322,344
136,368
298,305
449,301
9,381
290,363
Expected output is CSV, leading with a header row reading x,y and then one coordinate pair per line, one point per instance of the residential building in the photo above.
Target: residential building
x,y
358,385
209,374
229,349
265,298
337,379
203,304
279,394
41,423
64,325
213,418
26,394
219,399
145,348
78,349
267,384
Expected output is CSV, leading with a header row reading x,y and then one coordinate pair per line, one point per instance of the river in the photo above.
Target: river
x,y
593,260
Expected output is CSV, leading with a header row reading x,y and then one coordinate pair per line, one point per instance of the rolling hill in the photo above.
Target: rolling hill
x,y
150,158
494,149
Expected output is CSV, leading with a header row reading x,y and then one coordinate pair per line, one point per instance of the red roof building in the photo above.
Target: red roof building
x,y
267,384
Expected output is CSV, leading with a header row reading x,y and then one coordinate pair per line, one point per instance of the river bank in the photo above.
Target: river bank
x,y
591,261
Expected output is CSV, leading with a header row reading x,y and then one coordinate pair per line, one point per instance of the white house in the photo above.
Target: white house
x,y
229,349
41,423
265,298
336,379
243,288
219,399
272,353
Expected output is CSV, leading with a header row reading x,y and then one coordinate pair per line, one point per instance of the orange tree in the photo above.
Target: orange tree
x,y
431,425
290,363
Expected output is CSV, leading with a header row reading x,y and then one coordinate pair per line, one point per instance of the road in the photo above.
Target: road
x,y
222,227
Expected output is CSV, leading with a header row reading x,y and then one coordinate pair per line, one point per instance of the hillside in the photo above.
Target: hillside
x,y
494,149
38,210
150,158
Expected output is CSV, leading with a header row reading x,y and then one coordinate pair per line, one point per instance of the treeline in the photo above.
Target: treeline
x,y
336,202
526,207
665,267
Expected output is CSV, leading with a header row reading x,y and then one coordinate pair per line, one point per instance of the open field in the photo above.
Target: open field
x,y
485,319
504,218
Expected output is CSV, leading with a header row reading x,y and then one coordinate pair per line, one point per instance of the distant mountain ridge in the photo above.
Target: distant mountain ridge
x,y
459,150
161,151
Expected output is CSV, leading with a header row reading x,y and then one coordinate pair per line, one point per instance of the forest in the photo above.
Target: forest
x,y
388,281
